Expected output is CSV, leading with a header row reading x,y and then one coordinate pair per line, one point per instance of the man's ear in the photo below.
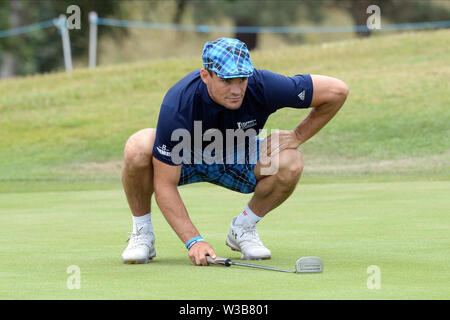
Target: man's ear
x,y
204,74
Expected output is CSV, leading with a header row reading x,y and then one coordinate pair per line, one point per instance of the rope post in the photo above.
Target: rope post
x,y
60,23
92,39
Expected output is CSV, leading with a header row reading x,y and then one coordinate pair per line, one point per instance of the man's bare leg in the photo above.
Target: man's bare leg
x,y
137,179
269,193
137,174
273,190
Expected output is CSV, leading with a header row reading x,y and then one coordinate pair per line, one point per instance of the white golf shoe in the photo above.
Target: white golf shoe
x,y
246,240
140,249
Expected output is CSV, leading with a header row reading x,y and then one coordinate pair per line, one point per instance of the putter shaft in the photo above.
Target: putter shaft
x,y
259,267
228,262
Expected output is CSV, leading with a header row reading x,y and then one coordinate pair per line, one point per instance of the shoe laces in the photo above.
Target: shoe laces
x,y
137,238
249,234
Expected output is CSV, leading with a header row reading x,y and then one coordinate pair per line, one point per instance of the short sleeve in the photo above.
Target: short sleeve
x,y
164,144
281,91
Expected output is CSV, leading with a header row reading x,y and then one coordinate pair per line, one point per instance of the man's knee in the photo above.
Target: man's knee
x,y
290,166
139,149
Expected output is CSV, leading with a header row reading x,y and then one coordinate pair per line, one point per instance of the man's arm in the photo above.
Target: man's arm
x,y
329,95
169,201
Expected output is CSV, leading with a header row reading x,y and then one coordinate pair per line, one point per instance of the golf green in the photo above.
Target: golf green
x,y
377,241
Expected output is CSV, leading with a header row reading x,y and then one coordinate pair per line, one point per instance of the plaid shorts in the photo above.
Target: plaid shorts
x,y
236,177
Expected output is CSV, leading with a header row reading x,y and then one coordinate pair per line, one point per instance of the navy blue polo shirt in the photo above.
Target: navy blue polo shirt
x,y
188,102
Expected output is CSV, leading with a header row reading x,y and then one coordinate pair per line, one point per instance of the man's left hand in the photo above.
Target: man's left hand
x,y
279,141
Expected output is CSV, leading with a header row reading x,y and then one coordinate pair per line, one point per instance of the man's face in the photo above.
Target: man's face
x,y
226,92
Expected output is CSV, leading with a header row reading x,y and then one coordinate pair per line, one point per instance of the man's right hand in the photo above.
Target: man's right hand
x,y
198,253
168,198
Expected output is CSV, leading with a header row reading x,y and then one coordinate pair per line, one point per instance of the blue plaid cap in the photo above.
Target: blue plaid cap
x,y
228,58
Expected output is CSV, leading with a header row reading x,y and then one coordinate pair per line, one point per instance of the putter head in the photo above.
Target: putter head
x,y
309,265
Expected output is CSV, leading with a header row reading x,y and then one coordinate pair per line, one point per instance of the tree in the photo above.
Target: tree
x,y
245,13
181,7
286,12
397,11
9,60
41,50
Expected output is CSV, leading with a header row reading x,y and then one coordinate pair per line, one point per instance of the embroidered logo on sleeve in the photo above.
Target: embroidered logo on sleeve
x,y
163,150
301,95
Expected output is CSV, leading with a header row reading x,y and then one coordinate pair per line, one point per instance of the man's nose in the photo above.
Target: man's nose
x,y
235,89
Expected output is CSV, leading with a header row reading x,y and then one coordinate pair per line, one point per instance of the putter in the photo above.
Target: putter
x,y
303,265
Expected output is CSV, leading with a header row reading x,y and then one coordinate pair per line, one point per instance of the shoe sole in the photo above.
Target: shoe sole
x,y
139,261
243,257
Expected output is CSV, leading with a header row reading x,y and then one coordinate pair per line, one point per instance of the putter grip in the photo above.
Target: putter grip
x,y
225,261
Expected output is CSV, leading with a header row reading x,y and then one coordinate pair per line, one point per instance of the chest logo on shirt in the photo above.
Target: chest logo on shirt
x,y
247,124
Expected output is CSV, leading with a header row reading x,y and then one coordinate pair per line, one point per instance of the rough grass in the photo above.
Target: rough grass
x,y
397,109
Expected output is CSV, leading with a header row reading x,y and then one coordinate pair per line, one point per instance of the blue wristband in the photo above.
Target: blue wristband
x,y
193,241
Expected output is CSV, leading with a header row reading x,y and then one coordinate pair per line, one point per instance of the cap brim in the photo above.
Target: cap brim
x,y
233,76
